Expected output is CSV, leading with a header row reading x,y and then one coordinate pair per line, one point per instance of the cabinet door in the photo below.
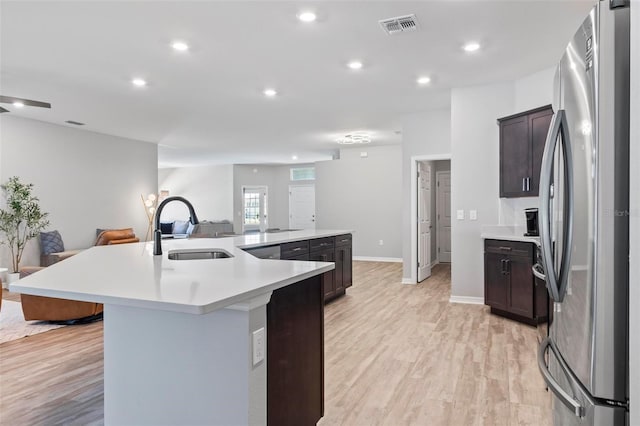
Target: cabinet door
x,y
538,126
515,157
328,278
496,284
347,267
521,288
339,271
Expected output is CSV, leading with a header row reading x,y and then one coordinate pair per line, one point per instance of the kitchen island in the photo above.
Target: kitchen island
x,y
184,340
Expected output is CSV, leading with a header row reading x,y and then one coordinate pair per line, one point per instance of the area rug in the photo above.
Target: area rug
x,y
13,326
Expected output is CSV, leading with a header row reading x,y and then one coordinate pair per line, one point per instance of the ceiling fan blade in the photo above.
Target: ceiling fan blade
x,y
3,110
26,102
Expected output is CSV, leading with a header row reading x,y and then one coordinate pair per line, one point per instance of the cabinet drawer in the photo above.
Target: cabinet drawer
x,y
321,243
514,248
343,240
296,248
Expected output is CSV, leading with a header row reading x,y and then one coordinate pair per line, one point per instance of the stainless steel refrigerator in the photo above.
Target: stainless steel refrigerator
x,y
584,224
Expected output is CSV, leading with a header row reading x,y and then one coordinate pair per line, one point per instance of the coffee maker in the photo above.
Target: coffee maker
x,y
532,222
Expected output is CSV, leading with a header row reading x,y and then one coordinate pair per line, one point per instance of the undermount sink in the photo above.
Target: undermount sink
x,y
198,254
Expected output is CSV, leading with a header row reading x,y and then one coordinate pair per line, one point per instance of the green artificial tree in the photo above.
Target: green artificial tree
x,y
21,219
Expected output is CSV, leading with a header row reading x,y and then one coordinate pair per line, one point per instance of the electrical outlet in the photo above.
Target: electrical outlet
x,y
473,214
381,242
460,214
258,346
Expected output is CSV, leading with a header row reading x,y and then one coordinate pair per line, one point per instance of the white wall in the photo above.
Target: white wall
x,y
634,258
208,188
364,195
475,169
423,134
84,180
474,178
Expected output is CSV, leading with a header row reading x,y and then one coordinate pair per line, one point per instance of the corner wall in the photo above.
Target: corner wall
x,y
424,134
363,194
474,178
84,180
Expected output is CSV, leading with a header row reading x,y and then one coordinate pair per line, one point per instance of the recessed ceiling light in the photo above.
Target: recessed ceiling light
x,y
18,104
139,82
423,80
180,46
355,65
471,46
294,157
307,16
270,92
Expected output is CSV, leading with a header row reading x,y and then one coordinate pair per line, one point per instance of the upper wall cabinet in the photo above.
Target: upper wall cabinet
x,y
522,139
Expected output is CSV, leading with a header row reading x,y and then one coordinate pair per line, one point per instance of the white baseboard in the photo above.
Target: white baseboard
x,y
467,299
378,259
434,263
408,281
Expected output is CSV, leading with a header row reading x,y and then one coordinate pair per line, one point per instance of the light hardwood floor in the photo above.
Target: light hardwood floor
x,y
394,355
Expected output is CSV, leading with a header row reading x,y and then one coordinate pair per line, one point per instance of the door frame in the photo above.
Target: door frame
x,y
313,185
438,174
414,209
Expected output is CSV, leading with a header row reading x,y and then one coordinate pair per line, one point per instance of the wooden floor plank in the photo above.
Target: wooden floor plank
x,y
395,355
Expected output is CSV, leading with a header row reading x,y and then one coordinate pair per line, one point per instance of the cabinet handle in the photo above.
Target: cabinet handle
x,y
528,184
524,184
507,262
502,266
297,249
344,241
505,248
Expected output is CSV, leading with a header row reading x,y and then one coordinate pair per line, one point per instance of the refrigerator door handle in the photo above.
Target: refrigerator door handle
x,y
557,281
538,271
570,401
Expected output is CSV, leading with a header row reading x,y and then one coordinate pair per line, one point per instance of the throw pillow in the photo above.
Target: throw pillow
x,y
166,227
51,242
190,228
180,226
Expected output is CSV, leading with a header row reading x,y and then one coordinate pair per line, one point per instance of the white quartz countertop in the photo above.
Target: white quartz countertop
x,y
130,275
508,233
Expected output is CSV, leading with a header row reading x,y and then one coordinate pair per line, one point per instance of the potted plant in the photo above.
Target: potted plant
x,y
20,220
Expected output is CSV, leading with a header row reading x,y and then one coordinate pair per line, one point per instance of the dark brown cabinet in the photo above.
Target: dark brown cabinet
x,y
327,249
323,250
295,354
522,140
510,287
343,259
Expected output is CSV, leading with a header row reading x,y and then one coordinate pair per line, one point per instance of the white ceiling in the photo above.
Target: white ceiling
x,y
206,106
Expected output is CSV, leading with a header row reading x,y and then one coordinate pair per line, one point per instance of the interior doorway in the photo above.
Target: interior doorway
x,y
443,218
254,208
426,203
302,207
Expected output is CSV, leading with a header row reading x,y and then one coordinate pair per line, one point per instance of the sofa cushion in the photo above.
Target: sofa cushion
x,y
166,227
51,242
180,226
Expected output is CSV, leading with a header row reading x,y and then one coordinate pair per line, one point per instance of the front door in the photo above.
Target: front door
x,y
302,207
424,221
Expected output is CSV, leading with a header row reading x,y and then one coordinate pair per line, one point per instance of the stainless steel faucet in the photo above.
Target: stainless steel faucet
x,y
157,233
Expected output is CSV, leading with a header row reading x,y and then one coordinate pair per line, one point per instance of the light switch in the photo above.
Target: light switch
x,y
460,214
258,346
473,214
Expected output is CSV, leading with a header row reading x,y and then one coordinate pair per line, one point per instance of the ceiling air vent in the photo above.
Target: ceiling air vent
x,y
77,123
400,24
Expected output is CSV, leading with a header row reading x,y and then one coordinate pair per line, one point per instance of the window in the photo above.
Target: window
x,y
303,173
